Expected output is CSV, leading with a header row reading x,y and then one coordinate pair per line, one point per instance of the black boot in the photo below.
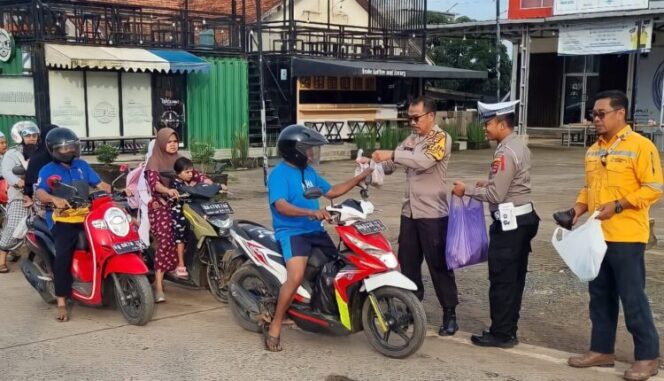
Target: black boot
x,y
450,325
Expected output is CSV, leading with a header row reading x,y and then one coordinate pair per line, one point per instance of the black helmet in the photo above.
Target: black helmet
x,y
294,142
63,145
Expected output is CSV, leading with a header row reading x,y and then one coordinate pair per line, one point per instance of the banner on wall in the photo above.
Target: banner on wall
x,y
17,96
67,100
103,104
137,104
606,38
567,7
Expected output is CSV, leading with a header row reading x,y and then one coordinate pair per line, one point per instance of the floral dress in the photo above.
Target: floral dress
x,y
161,222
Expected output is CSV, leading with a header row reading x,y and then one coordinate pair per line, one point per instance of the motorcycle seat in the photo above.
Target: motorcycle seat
x,y
40,224
261,235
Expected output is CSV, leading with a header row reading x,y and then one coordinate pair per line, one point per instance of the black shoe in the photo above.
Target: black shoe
x,y
487,331
450,325
489,340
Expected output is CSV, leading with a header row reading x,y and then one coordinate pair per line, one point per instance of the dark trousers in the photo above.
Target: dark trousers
x,y
508,264
622,276
425,238
65,236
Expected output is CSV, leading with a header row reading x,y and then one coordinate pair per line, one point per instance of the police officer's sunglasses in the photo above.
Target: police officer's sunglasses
x,y
416,119
601,114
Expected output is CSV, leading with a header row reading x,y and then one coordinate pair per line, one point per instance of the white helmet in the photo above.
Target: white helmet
x,y
23,128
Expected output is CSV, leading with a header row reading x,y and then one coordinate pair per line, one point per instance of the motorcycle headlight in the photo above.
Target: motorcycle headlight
x,y
117,221
221,222
387,257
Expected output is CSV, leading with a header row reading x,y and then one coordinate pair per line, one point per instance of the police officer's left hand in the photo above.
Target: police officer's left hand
x,y
459,189
606,211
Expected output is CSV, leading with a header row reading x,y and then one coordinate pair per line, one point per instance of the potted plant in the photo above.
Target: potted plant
x,y
202,154
391,137
477,137
453,131
365,141
240,153
106,156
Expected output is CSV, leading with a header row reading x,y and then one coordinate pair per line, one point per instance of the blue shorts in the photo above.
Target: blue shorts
x,y
301,245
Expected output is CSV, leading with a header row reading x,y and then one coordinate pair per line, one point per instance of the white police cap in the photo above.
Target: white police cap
x,y
488,111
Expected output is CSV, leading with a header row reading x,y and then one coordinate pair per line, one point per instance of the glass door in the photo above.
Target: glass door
x,y
580,85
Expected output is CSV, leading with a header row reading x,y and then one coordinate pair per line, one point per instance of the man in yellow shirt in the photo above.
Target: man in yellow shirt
x,y
623,179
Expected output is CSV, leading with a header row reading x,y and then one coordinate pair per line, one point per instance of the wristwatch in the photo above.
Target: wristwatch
x,y
619,207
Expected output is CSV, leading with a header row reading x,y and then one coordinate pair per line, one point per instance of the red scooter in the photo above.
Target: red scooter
x,y
107,260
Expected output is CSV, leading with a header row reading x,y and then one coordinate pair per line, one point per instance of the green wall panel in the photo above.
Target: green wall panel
x,y
15,65
218,102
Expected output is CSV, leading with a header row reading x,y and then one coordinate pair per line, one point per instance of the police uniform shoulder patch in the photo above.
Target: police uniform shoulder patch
x,y
435,144
498,164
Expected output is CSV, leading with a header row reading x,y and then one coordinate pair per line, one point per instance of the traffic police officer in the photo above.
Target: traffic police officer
x,y
515,222
423,232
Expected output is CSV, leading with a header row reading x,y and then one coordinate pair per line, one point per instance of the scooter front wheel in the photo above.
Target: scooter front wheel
x,y
134,297
401,330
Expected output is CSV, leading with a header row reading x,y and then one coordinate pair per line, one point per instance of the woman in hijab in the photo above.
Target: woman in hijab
x,y
163,158
17,208
40,158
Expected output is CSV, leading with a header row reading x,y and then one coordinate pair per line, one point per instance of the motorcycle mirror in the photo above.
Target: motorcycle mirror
x,y
313,193
54,181
18,170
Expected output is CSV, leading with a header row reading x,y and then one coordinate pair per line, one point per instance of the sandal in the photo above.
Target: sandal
x,y
181,272
159,297
272,344
4,269
63,314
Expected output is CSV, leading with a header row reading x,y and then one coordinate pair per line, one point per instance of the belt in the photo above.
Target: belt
x,y
518,211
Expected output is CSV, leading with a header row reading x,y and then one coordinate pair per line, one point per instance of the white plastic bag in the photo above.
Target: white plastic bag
x,y
377,176
583,248
21,229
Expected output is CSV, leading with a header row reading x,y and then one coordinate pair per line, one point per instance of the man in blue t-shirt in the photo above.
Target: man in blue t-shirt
x,y
64,147
296,219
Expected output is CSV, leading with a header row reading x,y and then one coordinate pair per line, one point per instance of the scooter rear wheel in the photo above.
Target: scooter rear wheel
x,y
139,300
48,295
248,278
405,319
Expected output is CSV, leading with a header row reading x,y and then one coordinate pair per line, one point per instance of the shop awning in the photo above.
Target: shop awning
x,y
312,66
129,59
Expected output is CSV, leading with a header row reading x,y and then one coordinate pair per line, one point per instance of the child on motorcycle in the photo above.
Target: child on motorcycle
x,y
296,217
184,176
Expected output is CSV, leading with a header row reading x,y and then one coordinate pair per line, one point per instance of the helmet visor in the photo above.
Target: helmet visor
x,y
67,149
311,152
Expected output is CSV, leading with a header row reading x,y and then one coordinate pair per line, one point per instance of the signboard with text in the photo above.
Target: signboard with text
x,y
567,7
606,38
17,96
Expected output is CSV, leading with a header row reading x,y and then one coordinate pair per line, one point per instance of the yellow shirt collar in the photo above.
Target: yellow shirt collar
x,y
620,135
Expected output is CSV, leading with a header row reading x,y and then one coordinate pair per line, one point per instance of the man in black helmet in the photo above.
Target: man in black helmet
x,y
296,219
65,148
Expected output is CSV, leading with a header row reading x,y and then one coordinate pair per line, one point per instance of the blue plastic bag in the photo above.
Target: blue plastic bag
x,y
467,241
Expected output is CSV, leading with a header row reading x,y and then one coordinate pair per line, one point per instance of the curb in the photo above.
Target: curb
x,y
541,353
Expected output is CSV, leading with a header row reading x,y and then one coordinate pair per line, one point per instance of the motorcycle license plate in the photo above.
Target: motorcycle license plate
x,y
217,208
128,247
369,227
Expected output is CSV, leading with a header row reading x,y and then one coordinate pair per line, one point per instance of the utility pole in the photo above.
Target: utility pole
x,y
497,50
